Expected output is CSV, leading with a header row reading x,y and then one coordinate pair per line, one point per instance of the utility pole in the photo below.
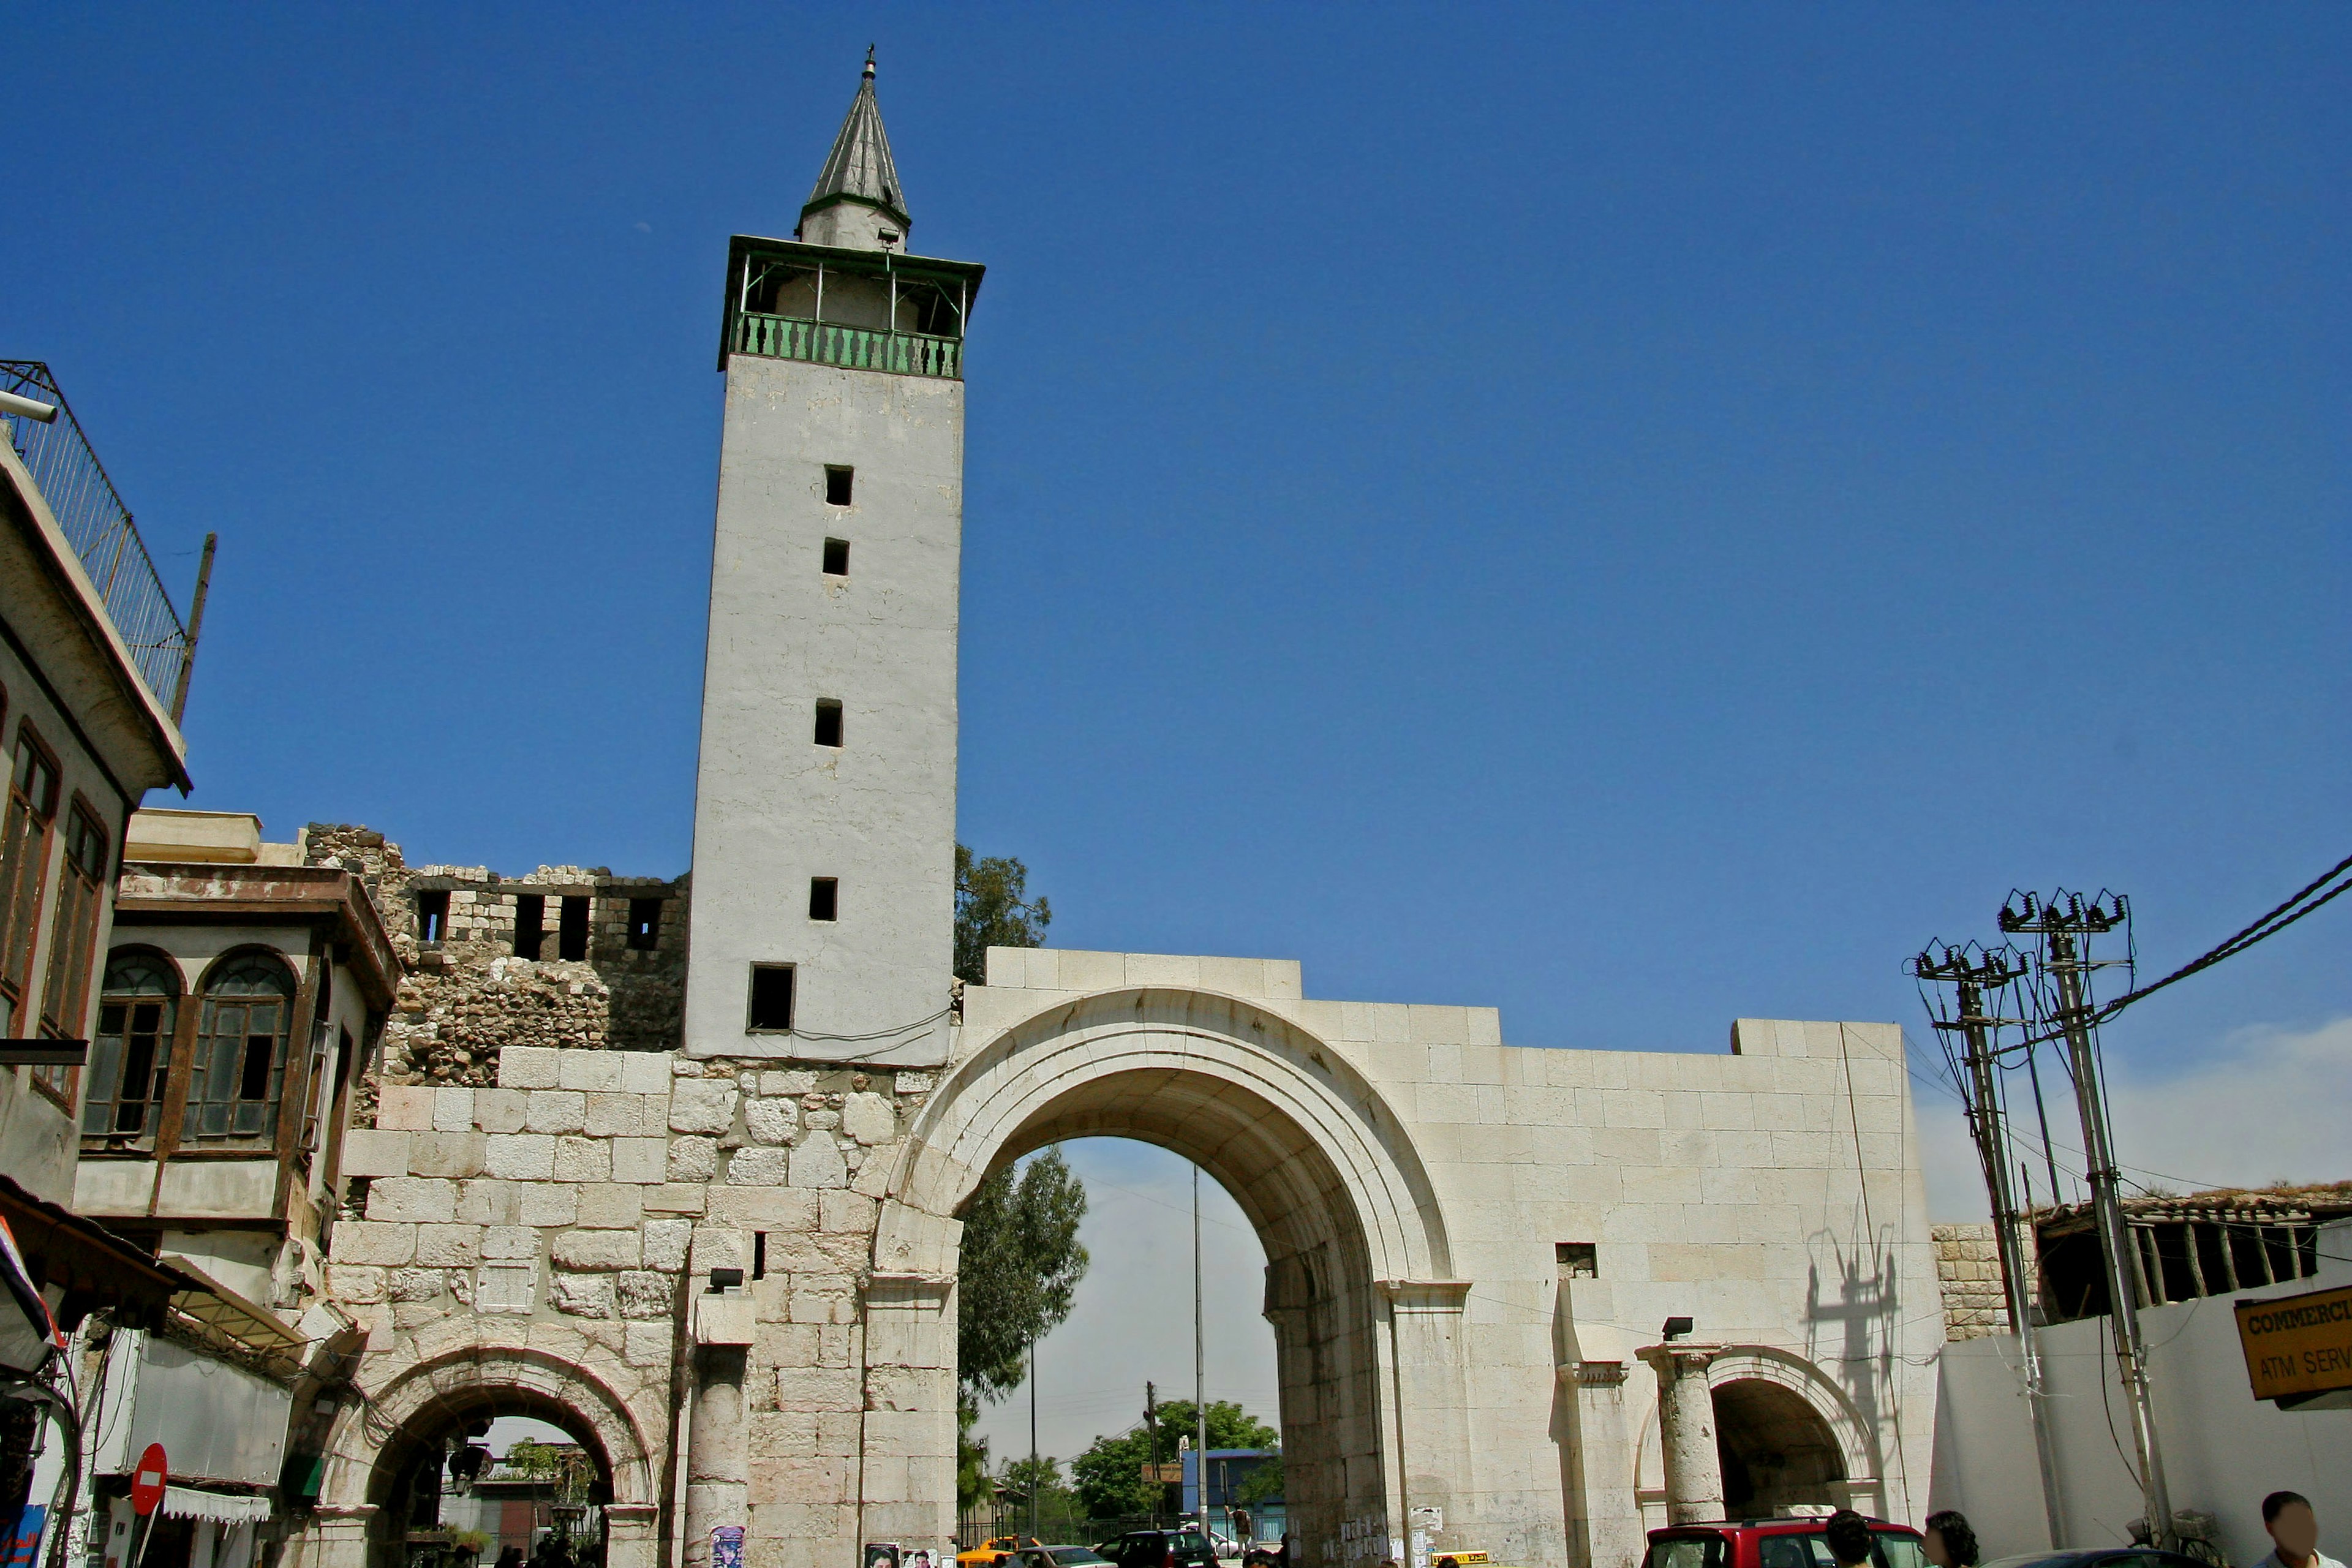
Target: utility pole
x,y
1200,1374
1032,1438
1971,976
2065,925
1151,1424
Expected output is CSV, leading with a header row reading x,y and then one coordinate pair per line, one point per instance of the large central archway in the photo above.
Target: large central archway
x,y
1359,1276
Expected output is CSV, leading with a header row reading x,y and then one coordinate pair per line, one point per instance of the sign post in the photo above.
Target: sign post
x,y
147,1494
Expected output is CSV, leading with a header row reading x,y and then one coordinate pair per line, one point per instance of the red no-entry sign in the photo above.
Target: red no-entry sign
x,y
147,1481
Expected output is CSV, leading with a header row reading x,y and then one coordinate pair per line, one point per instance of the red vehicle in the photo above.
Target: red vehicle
x,y
1776,1544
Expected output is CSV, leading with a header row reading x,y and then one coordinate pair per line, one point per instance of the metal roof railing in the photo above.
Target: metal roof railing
x,y
99,527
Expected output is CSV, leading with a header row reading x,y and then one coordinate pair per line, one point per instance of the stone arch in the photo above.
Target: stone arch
x,y
1359,1282
1758,1374
365,1446
1822,1395
1029,1087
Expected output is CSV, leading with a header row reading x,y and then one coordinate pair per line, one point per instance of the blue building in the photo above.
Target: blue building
x,y
1229,1469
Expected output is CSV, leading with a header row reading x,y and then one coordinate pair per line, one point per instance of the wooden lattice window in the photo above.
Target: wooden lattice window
x,y
131,1056
24,861
240,1064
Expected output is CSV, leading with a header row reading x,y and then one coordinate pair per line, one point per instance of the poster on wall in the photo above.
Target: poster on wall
x,y
727,1546
24,1540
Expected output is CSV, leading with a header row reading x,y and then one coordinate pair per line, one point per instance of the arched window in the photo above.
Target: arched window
x,y
131,1058
241,1049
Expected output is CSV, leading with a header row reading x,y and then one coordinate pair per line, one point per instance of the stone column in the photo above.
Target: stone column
x,y
630,1538
718,1440
337,1536
1687,1430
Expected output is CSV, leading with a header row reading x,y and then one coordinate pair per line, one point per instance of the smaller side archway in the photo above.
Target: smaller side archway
x,y
1787,1436
1801,1440
378,1444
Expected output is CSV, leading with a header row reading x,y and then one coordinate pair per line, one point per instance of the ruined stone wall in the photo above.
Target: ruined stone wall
x,y
470,996
1967,1270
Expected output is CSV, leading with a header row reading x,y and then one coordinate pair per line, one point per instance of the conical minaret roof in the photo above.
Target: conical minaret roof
x,y
859,169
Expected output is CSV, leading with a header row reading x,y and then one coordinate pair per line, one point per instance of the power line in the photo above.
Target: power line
x,y
2302,903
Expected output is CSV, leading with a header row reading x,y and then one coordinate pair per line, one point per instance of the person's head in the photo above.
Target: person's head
x,y
1849,1537
2293,1528
1950,1543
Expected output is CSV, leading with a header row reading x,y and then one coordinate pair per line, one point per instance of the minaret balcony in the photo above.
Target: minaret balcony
x,y
858,310
852,348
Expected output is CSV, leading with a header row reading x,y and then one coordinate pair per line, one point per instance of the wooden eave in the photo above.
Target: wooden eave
x,y
155,894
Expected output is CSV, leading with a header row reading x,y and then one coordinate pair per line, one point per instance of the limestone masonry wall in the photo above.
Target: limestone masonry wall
x,y
1968,1266
470,997
567,1207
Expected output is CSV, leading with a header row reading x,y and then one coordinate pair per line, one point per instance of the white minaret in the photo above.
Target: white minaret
x,y
823,921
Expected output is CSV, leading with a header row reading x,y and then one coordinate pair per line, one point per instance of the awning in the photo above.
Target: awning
x,y
222,1310
227,1508
88,1263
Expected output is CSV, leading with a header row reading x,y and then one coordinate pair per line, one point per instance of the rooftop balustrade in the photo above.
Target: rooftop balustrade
x,y
99,528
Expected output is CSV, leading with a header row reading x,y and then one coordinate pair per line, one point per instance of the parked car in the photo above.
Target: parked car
x,y
992,1551
1163,1548
1060,1557
2100,1557
1776,1544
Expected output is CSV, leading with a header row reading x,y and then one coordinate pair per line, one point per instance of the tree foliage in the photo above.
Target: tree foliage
x,y
562,1468
971,1457
1263,1482
1019,1271
992,909
1109,1475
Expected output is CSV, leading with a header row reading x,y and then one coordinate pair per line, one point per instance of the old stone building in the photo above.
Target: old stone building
x,y
568,957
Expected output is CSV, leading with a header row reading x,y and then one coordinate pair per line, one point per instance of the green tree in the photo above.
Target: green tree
x,y
563,1468
971,1458
1109,1475
1264,1482
1020,1268
1020,1261
992,909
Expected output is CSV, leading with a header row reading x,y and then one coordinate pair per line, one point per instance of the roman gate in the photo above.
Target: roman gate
x,y
733,1281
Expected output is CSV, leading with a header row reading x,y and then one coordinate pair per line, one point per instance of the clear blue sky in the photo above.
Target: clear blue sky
x,y
1636,516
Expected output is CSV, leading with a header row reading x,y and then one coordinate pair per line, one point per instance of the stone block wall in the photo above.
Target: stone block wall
x,y
578,1203
1967,1270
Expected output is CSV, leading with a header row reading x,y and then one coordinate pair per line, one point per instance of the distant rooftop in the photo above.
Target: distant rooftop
x,y
99,527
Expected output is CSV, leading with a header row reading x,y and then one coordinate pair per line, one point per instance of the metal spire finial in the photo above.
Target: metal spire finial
x,y
859,168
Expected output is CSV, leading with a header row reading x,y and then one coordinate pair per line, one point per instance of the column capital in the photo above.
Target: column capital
x,y
1677,1359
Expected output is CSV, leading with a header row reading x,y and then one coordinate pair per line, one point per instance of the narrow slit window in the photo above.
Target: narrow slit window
x,y
824,897
645,924
836,558
828,722
433,916
531,923
759,1254
572,929
771,999
837,483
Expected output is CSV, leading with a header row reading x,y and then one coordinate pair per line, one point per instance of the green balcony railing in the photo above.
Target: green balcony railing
x,y
852,348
